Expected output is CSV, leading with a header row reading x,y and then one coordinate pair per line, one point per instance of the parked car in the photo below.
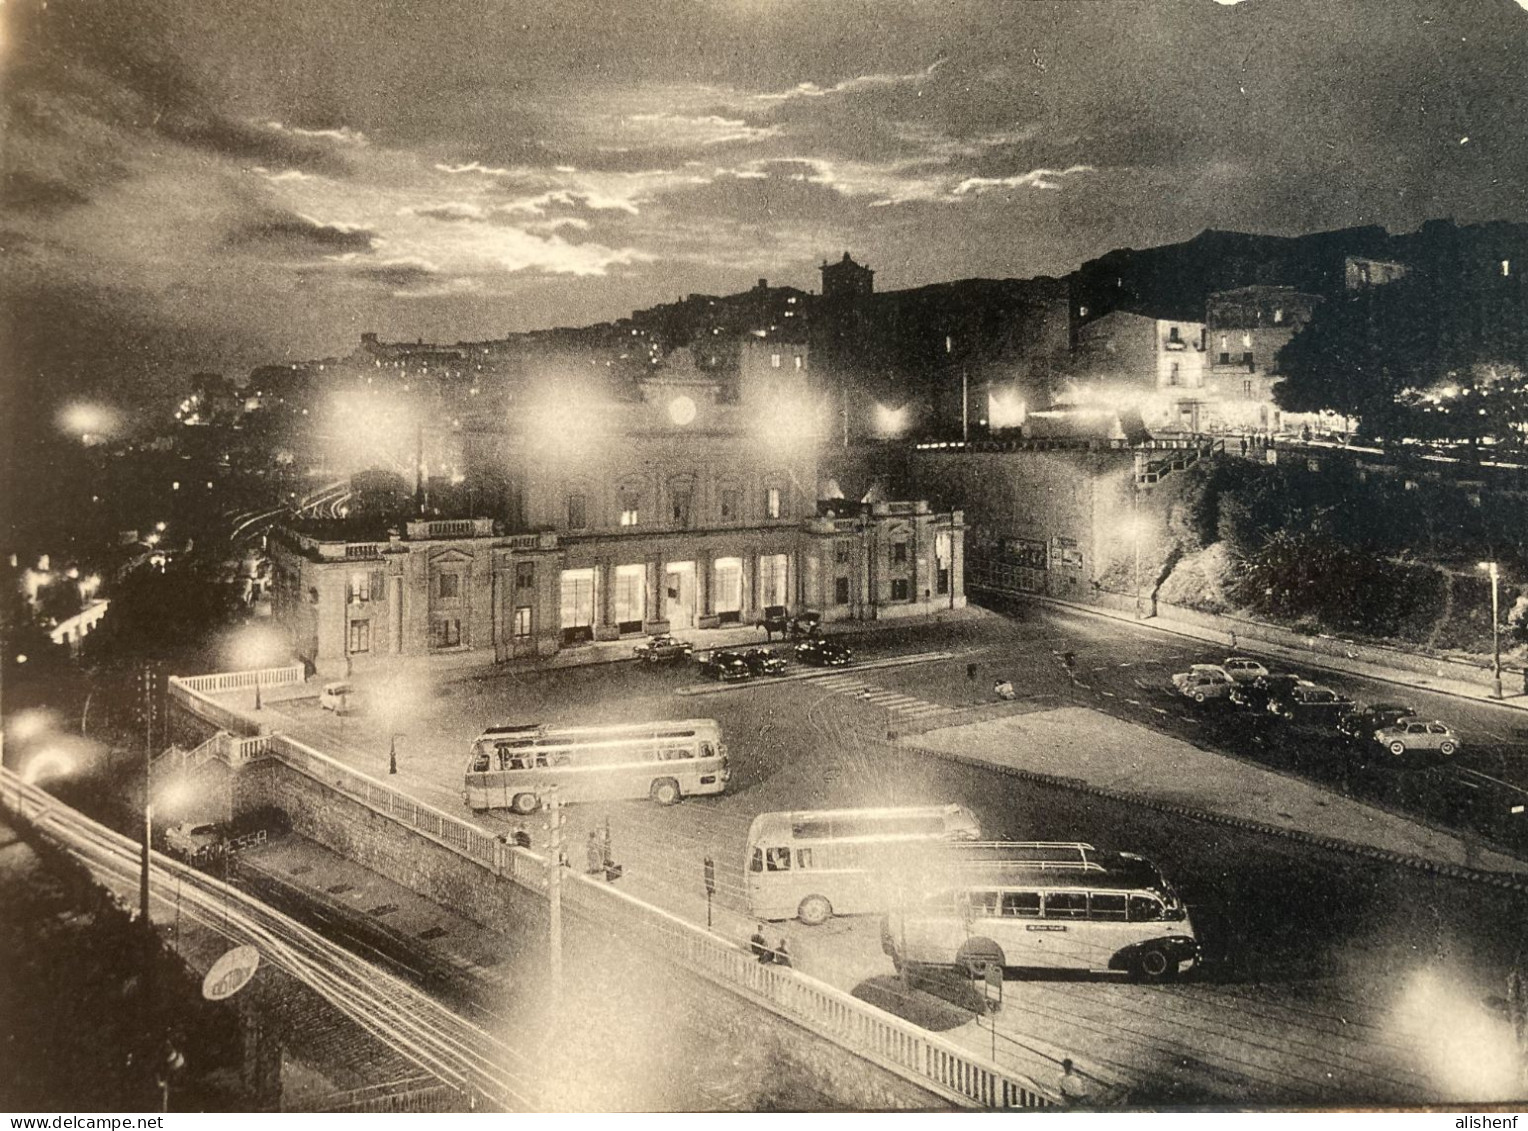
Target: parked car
x,y
725,666
1202,682
1414,734
776,619
1359,725
822,653
1255,696
190,841
1311,704
806,625
1243,669
662,648
341,698
762,661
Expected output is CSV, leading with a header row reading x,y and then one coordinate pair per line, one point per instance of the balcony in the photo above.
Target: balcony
x,y
424,530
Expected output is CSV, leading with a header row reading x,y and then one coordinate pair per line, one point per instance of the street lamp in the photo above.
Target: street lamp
x,y
1135,539
1490,568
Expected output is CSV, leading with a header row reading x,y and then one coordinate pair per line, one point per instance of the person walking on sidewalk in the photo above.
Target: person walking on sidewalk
x,y
594,857
760,945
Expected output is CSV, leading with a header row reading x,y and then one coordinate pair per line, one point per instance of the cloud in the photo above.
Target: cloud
x,y
398,275
851,85
21,191
1035,178
291,233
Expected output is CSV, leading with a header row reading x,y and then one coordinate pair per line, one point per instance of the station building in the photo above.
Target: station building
x,y
681,500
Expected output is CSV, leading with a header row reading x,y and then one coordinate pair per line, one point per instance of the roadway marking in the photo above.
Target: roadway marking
x,y
1109,695
1133,702
1160,710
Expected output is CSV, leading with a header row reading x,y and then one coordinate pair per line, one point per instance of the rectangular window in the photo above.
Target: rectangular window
x,y
445,632
628,509
681,501
803,857
840,590
942,584
1172,376
842,549
360,636
1247,360
578,518
525,575
1172,334
899,553
774,579
1145,909
774,361
1021,904
801,361
1278,316
732,504
449,586
982,902
630,597
900,589
523,622
773,507
1106,906
1066,905
1225,359
1247,389
360,588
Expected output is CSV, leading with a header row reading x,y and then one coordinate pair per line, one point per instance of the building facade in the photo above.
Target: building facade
x,y
1245,329
684,506
1127,360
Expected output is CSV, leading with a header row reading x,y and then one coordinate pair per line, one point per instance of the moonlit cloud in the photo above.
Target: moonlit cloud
x,y
1035,178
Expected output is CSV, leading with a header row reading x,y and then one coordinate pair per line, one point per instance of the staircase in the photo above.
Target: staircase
x,y
1149,471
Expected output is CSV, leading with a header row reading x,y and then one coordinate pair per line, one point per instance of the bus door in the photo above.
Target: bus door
x,y
770,882
1062,935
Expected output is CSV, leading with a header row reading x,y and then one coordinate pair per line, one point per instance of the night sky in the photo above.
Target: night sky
x,y
211,185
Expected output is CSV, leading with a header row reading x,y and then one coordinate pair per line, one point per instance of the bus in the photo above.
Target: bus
x,y
513,767
819,863
1058,906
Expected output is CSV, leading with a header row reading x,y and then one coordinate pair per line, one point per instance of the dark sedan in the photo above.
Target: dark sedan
x,y
1257,694
662,648
822,653
1359,726
726,666
761,661
1311,704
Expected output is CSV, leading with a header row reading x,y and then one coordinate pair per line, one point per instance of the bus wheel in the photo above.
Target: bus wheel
x,y
814,911
665,791
525,803
1155,965
976,957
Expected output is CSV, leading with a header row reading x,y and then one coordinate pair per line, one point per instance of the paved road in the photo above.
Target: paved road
x,y
1329,979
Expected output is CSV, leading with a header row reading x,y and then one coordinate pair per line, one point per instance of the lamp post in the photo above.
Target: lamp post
x,y
1495,574
1135,538
392,753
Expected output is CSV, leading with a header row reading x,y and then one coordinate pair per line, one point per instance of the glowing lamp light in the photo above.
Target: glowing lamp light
x,y
681,410
891,421
1005,409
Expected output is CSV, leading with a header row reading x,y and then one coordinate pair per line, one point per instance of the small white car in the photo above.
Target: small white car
x,y
1243,669
341,698
189,841
1203,681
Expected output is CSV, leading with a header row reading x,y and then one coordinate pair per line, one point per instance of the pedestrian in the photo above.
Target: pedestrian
x,y
606,855
1244,446
594,857
760,945
1073,1088
782,954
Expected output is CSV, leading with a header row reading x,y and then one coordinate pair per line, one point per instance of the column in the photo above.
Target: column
x,y
705,583
605,627
657,616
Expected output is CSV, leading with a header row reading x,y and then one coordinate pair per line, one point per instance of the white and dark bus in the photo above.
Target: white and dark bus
x,y
1057,906
819,863
513,767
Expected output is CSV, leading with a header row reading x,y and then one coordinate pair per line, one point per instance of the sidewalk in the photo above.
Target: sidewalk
x,y
1515,699
1079,748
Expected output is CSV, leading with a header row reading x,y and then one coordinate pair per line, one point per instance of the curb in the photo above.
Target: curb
x,y
1415,863
1311,659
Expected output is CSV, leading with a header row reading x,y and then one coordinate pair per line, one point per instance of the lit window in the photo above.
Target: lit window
x,y
628,509
774,361
773,504
1506,268
360,636
523,622
1278,315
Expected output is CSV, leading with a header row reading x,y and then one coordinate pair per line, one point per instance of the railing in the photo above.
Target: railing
x,y
421,529
416,1094
879,1036
205,707
232,681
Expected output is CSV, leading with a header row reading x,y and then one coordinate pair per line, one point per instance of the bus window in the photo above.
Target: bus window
x,y
778,859
1106,906
803,857
983,902
1066,905
1145,909
480,764
1022,904
757,863
706,751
